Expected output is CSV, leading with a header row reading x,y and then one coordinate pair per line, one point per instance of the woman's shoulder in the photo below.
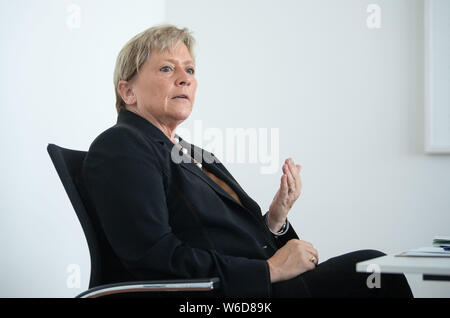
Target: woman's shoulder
x,y
121,150
121,140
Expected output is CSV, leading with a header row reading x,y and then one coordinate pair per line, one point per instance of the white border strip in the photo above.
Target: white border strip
x,y
430,148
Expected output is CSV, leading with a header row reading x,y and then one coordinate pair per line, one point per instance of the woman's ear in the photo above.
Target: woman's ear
x,y
126,91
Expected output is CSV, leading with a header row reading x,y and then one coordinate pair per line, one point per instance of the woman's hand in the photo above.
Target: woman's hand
x,y
289,191
293,259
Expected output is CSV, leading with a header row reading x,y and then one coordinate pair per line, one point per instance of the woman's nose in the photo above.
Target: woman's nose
x,y
183,80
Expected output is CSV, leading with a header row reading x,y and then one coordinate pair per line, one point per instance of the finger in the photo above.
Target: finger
x,y
314,253
299,184
307,243
290,178
292,166
314,261
309,249
309,260
286,169
295,173
284,185
290,184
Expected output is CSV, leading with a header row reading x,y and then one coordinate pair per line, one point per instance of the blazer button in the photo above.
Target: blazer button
x,y
265,246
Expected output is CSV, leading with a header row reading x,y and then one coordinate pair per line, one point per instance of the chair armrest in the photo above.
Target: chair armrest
x,y
153,286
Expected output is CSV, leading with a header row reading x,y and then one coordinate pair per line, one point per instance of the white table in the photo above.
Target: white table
x,y
432,268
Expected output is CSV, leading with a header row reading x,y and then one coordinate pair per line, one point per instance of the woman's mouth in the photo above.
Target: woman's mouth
x,y
182,96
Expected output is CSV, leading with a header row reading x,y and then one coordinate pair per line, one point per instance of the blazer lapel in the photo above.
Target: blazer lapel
x,y
247,203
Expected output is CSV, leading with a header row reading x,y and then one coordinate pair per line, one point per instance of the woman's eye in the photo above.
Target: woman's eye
x,y
168,69
165,69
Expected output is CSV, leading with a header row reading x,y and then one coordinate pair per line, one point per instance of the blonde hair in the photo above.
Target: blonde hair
x,y
137,50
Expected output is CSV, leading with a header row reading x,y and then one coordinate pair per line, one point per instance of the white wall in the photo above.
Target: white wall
x,y
56,87
348,102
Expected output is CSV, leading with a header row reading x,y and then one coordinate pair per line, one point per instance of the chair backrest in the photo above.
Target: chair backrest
x,y
68,164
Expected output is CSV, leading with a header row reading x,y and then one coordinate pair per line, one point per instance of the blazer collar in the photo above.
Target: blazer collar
x,y
129,118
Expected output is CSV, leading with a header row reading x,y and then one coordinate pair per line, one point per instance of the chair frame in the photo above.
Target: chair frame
x,y
66,172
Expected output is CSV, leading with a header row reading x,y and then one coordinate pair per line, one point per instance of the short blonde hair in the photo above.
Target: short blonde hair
x,y
137,50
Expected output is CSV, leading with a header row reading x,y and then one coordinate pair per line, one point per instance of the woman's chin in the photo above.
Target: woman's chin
x,y
182,113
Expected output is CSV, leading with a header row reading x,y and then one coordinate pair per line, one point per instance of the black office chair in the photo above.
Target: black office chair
x,y
68,165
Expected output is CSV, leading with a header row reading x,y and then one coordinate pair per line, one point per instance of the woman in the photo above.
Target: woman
x,y
164,218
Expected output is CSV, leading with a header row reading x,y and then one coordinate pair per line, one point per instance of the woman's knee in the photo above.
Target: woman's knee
x,y
359,256
369,254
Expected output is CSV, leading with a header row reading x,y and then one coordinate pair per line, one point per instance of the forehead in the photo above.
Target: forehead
x,y
178,54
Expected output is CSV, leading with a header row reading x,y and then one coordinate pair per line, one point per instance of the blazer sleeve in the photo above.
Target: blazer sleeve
x,y
127,189
280,240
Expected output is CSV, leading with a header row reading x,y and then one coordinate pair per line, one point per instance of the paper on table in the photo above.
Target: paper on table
x,y
426,252
441,241
442,238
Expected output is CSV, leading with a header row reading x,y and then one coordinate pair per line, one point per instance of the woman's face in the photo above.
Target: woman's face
x,y
165,86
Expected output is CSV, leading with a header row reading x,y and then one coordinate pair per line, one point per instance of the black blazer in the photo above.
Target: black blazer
x,y
166,220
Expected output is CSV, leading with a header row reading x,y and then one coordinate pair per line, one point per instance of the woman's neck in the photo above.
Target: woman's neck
x,y
168,130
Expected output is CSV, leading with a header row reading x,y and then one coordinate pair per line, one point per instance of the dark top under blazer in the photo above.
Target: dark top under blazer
x,y
167,220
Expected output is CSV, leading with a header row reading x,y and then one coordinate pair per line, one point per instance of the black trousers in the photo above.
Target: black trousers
x,y
337,277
